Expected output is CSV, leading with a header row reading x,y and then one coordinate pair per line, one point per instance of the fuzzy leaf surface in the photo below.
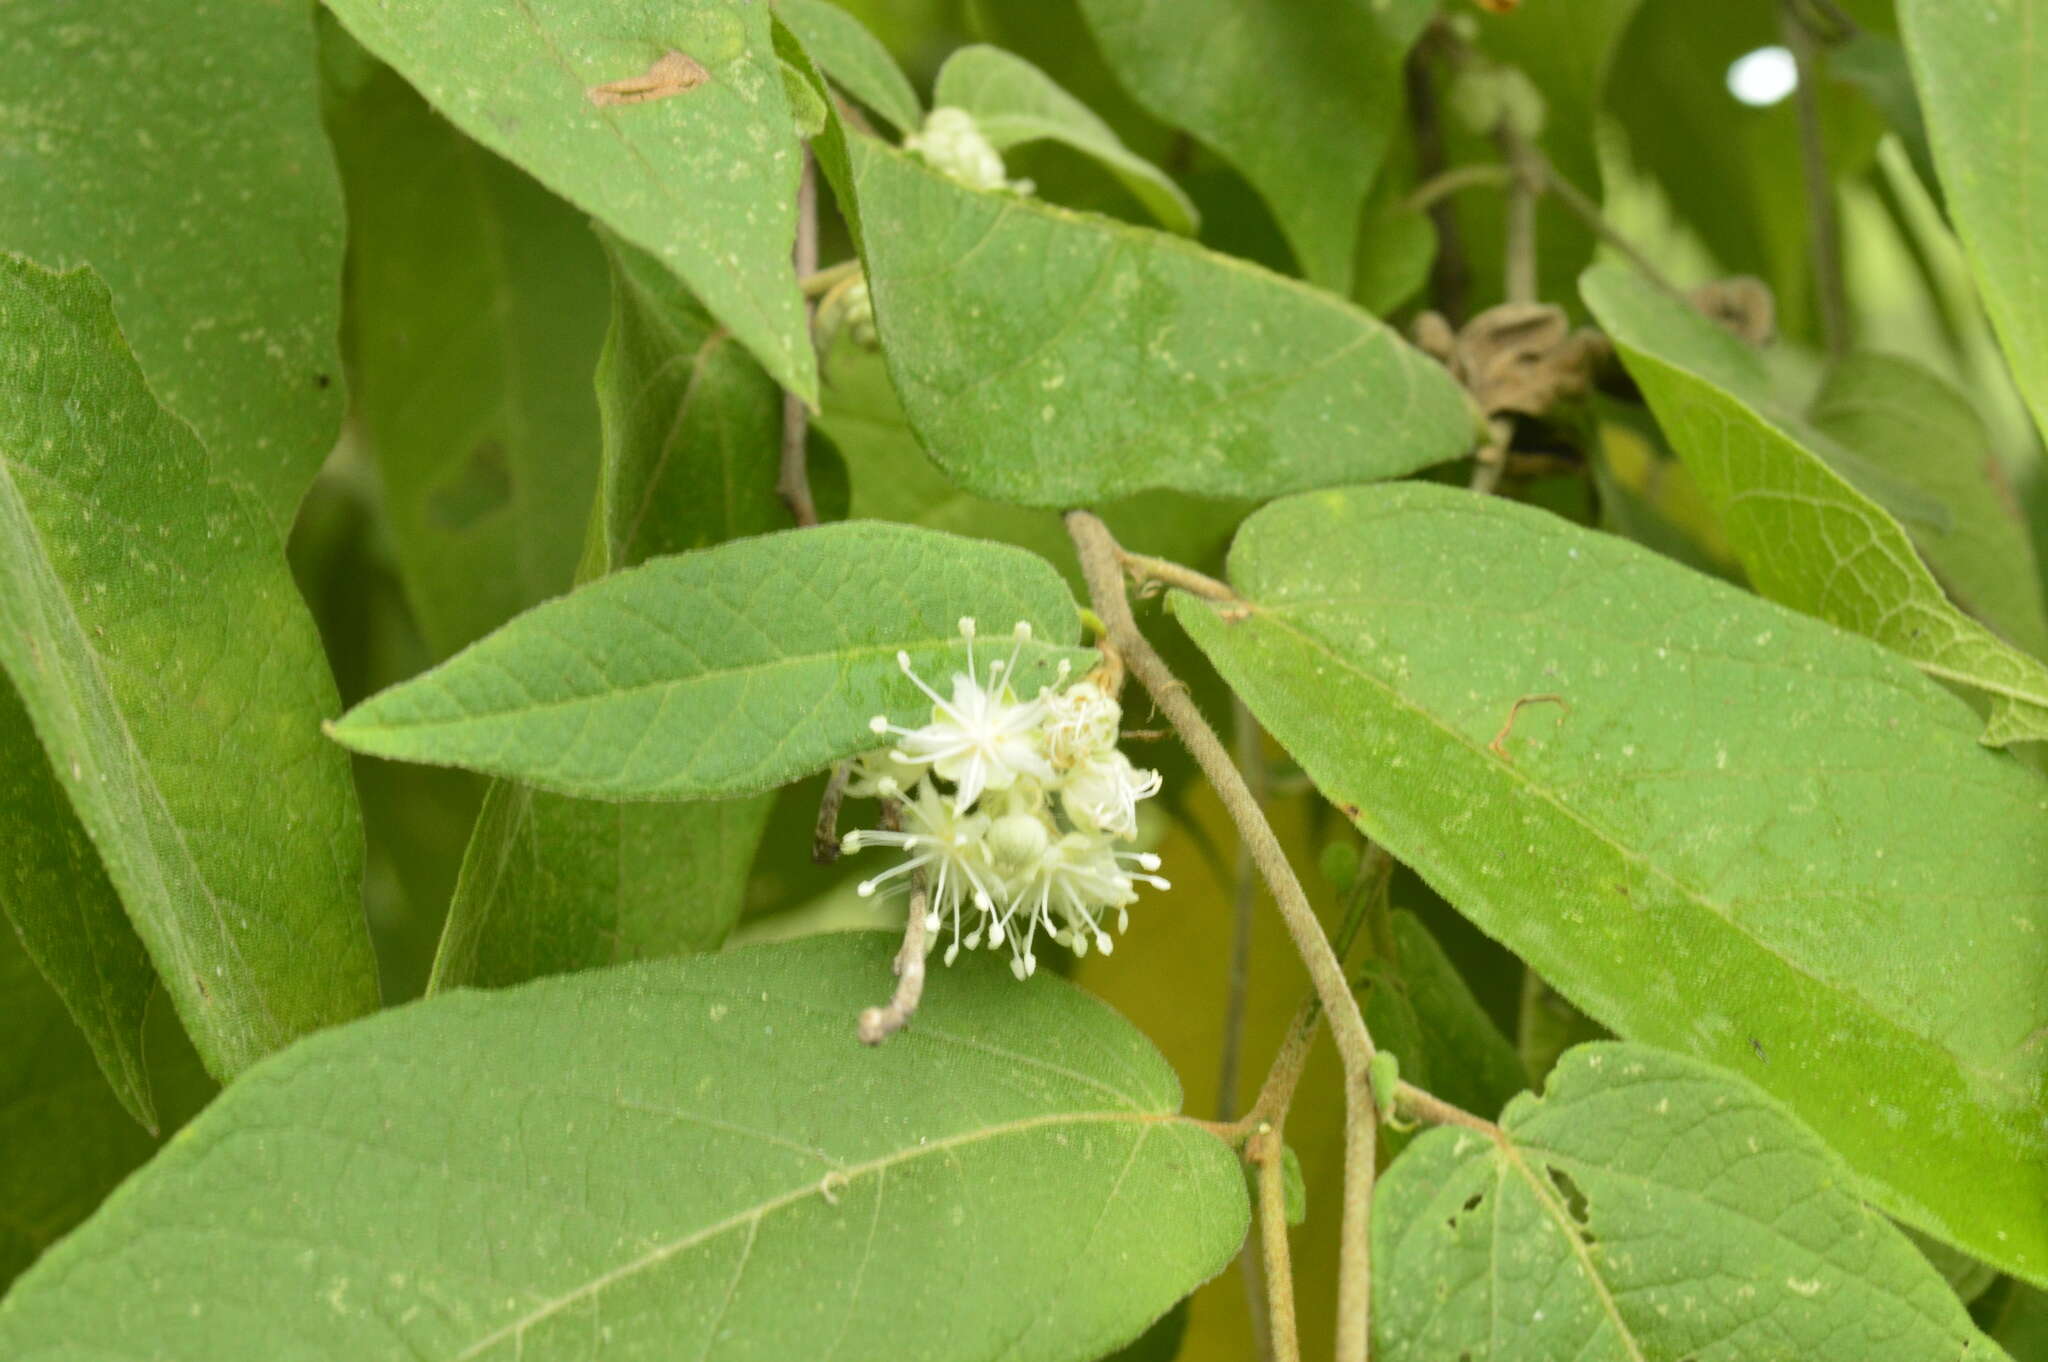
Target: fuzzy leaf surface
x,y
1615,1217
1053,358
177,150
1801,510
727,671
174,676
704,177
923,1200
1732,830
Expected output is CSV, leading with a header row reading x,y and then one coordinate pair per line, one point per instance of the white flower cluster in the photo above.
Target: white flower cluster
x,y
951,141
1026,838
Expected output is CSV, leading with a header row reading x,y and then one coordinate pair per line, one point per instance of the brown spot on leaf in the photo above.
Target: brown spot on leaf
x,y
674,73
1350,810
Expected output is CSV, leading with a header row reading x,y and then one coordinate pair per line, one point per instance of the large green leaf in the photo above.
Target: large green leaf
x,y
1913,426
174,676
176,148
728,671
855,58
705,178
1013,103
64,1140
692,428
1647,1206
1712,823
524,1174
1052,358
1303,99
55,891
1983,81
1801,510
477,304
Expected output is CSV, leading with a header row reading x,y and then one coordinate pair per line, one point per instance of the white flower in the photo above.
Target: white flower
x,y
952,142
984,738
949,847
1080,722
1075,884
1025,842
1102,793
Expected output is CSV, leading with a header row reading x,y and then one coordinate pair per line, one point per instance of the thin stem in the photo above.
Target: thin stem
x,y
1267,1155
1251,758
1412,1101
1354,1260
1524,186
1145,570
1588,212
1492,459
818,283
1101,565
825,839
1450,278
793,480
1478,173
1829,290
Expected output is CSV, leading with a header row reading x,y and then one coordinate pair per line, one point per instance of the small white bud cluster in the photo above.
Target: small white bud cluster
x,y
951,141
1026,838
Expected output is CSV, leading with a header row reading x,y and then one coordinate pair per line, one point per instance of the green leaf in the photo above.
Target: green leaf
x,y
1913,426
1876,65
1646,1206
174,676
1471,1063
177,150
2022,1326
1302,99
853,57
692,426
728,671
1013,102
704,178
1979,70
922,1200
1788,496
551,884
477,305
1750,836
1053,359
65,1142
71,924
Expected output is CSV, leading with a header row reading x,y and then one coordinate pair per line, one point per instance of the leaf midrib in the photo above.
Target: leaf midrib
x,y
837,1179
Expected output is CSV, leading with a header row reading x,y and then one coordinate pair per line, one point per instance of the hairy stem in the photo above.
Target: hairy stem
x,y
1524,188
1266,1152
1830,294
1102,565
1588,212
793,481
1478,173
1146,570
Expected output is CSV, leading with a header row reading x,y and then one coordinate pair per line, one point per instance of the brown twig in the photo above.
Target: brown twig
x,y
1101,564
793,479
877,1024
825,840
